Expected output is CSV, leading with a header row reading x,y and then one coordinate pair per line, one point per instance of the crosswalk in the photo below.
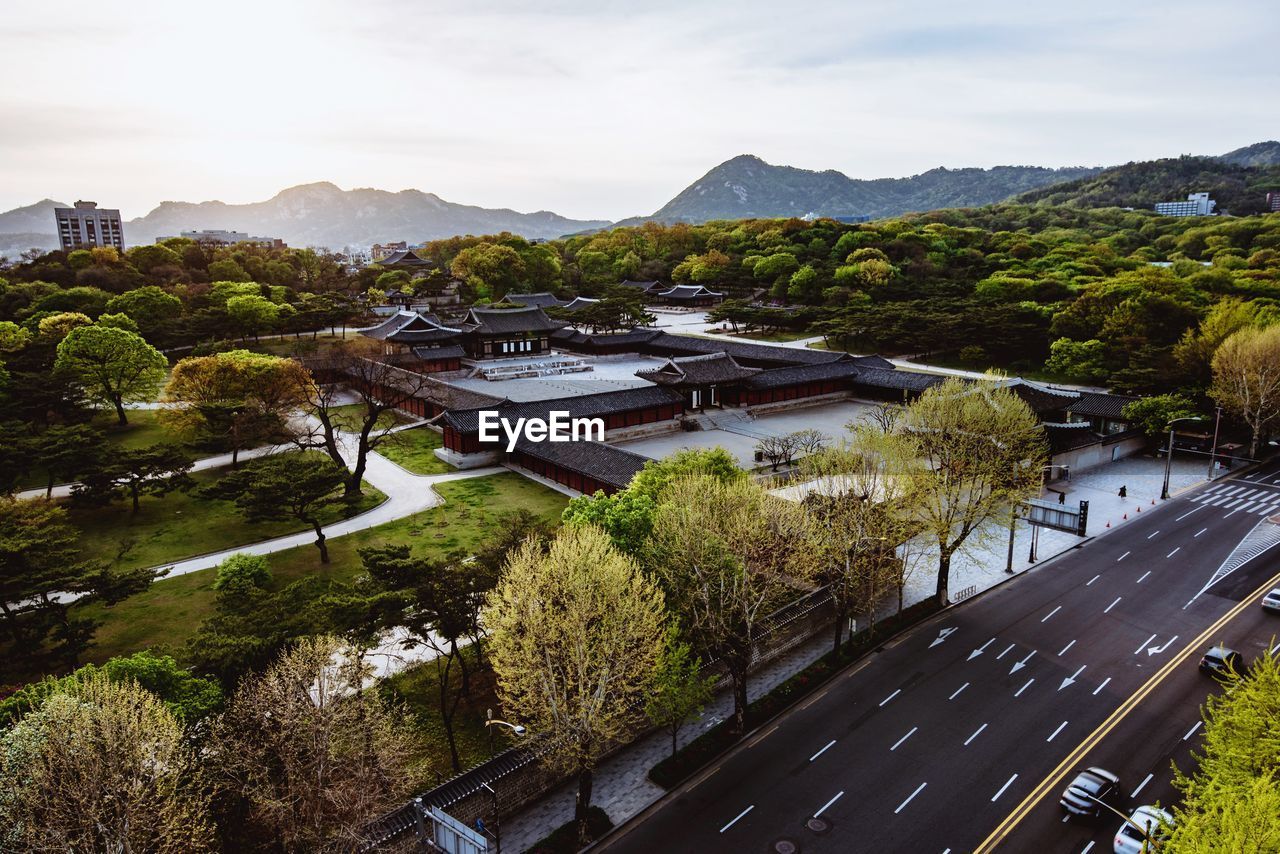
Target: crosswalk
x,y
1242,498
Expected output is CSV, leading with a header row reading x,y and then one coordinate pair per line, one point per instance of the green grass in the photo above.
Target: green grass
x,y
181,525
778,335
170,611
143,430
413,449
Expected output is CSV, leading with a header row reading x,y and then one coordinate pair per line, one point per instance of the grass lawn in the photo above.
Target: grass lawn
x,y
413,449
181,525
170,611
778,335
142,431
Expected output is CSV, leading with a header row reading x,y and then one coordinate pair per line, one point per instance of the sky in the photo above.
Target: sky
x,y
602,110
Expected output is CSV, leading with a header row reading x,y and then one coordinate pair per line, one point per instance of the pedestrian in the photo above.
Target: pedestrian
x,y
1062,498
1124,491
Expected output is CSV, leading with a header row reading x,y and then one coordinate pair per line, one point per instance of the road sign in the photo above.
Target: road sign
x,y
1058,517
454,837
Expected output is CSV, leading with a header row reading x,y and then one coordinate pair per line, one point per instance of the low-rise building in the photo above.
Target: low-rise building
x,y
222,237
379,251
1197,204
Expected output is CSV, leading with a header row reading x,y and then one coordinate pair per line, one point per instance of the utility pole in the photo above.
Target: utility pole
x,y
1168,463
1213,450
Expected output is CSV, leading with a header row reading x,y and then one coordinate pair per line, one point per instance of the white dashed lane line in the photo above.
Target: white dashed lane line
x,y
910,798
737,817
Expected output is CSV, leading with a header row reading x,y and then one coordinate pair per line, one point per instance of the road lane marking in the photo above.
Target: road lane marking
x,y
1152,534
977,652
1143,578
1100,687
976,733
891,696
1070,680
1123,556
1024,687
1144,782
1199,532
958,690
1056,731
1050,614
738,816
1192,731
1006,652
1091,580
823,750
1157,649
1185,515
1065,648
1059,773
1174,552
1002,788
910,797
1273,649
838,796
1112,605
904,738
1087,848
1018,665
1143,645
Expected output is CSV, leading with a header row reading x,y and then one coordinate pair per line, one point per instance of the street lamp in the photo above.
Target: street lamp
x,y
1168,456
490,722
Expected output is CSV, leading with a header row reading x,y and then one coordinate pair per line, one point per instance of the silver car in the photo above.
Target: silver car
x,y
1271,602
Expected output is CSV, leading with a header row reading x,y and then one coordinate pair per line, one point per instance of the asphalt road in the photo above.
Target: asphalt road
x,y
958,735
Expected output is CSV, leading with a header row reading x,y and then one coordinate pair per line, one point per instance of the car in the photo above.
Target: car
x,y
1222,662
1271,602
1129,839
1092,791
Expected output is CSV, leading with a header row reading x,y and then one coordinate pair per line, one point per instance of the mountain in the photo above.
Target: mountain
x,y
323,215
1238,189
308,215
747,186
1259,154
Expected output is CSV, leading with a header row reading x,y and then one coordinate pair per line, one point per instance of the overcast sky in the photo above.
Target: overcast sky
x,y
601,109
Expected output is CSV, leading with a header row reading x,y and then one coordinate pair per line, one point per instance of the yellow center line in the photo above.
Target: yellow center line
x,y
1055,778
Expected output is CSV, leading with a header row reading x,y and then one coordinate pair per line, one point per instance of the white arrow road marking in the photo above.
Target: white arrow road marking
x,y
977,652
1072,678
738,816
1018,665
942,635
1158,649
1142,645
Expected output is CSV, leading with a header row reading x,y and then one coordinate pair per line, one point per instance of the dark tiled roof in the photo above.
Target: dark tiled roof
x,y
1041,398
597,460
1093,404
1068,437
767,355
402,320
404,258
781,377
698,370
579,302
581,406
449,351
498,321
541,300
890,378
423,336
688,292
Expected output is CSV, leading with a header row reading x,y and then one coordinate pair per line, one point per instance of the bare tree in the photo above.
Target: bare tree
x,y
982,450
1246,379
576,635
307,754
725,554
358,367
809,442
884,415
773,449
101,766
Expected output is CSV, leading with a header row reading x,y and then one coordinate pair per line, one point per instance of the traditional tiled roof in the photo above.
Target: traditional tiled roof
x,y
891,378
404,258
1094,404
1068,437
579,302
636,336
781,377
580,406
500,321
698,370
542,299
414,337
685,292
597,460
1041,398
745,352
449,351
403,321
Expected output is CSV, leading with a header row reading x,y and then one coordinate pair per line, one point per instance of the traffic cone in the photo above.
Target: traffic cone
x,y
1126,516
1153,502
1108,523
1138,509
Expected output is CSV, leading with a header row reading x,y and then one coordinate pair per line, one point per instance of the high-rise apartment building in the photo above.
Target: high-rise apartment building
x,y
86,226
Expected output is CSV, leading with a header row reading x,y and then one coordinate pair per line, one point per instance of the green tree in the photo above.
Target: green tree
x,y
54,327
148,257
1246,380
227,270
66,451
1153,414
242,573
149,306
576,671
1086,360
155,470
679,690
115,366
252,314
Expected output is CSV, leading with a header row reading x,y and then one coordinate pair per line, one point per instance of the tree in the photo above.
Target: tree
x,y
305,756
102,765
66,451
295,484
1152,415
55,327
982,451
724,554
13,337
252,313
679,690
156,470
115,366
40,563
149,306
1246,379
577,633
237,398
1086,360
242,573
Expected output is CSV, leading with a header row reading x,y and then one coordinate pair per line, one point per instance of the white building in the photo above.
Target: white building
x,y
86,226
1197,204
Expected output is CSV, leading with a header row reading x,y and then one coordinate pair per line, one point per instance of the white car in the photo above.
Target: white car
x,y
1157,823
1271,602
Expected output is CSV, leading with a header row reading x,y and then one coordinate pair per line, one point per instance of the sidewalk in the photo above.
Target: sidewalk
x,y
621,787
